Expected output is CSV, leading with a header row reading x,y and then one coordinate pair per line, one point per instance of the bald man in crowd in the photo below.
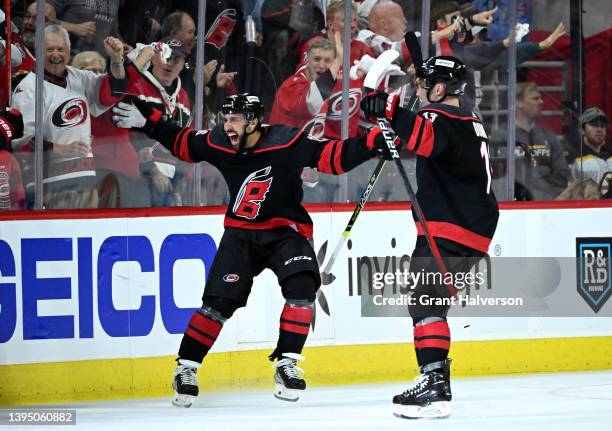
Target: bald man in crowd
x,y
387,19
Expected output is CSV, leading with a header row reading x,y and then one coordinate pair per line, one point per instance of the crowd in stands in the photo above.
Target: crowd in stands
x,y
290,52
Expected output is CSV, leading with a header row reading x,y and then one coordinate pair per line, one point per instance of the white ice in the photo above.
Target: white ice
x,y
580,401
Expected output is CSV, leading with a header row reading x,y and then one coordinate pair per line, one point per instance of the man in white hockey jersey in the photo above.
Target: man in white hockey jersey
x,y
70,97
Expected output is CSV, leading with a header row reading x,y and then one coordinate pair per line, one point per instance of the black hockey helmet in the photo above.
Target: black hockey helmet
x,y
244,103
446,69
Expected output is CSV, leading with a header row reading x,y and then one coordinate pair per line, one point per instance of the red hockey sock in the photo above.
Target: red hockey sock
x,y
431,341
200,335
294,326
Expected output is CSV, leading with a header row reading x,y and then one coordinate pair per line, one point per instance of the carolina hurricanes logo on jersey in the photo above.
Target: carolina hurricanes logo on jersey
x,y
70,114
252,193
220,31
335,107
316,126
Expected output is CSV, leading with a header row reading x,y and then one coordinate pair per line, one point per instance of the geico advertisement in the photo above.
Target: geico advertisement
x,y
126,287
117,279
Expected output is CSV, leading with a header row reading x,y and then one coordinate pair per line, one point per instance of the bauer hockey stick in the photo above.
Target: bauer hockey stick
x,y
365,196
370,83
376,74
389,140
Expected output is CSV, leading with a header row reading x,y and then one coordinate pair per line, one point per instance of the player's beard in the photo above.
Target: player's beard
x,y
242,141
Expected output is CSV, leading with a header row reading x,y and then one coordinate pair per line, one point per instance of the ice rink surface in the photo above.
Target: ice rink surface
x,y
580,401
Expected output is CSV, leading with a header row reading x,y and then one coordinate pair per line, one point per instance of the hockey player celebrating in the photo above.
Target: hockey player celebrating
x,y
266,225
461,212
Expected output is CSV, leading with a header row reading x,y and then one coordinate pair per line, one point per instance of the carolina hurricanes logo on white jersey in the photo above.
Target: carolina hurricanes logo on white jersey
x,y
69,114
252,193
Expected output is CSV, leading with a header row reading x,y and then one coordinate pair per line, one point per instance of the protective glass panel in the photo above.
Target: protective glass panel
x,y
284,51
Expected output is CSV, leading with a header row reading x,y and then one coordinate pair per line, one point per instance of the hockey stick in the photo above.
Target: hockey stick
x,y
371,84
376,73
387,135
326,275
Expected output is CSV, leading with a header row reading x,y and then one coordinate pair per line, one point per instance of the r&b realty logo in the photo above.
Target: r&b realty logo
x,y
593,270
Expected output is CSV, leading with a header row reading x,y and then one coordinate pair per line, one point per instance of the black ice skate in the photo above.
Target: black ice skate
x,y
429,397
289,384
185,383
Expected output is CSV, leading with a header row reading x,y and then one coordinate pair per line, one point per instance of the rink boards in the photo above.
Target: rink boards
x,y
95,307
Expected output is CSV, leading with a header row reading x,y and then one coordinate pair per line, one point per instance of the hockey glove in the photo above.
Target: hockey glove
x,y
379,104
138,115
376,140
11,127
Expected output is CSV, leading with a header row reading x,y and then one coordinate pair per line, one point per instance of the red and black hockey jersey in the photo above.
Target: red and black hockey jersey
x,y
453,172
264,182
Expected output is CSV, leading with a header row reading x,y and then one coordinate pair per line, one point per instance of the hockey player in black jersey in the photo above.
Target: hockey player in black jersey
x,y
461,212
266,224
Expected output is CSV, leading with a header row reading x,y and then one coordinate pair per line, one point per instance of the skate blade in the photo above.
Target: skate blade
x,y
435,410
285,394
182,400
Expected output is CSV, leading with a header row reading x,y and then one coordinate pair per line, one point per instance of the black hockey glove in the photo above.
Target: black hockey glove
x,y
376,140
11,127
379,104
136,114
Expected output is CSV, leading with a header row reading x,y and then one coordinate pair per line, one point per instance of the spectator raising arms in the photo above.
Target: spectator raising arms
x,y
117,168
70,97
88,22
498,29
154,77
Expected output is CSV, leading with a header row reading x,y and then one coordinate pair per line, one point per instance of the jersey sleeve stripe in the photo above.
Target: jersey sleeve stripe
x,y
426,139
413,141
338,157
181,146
324,164
332,157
